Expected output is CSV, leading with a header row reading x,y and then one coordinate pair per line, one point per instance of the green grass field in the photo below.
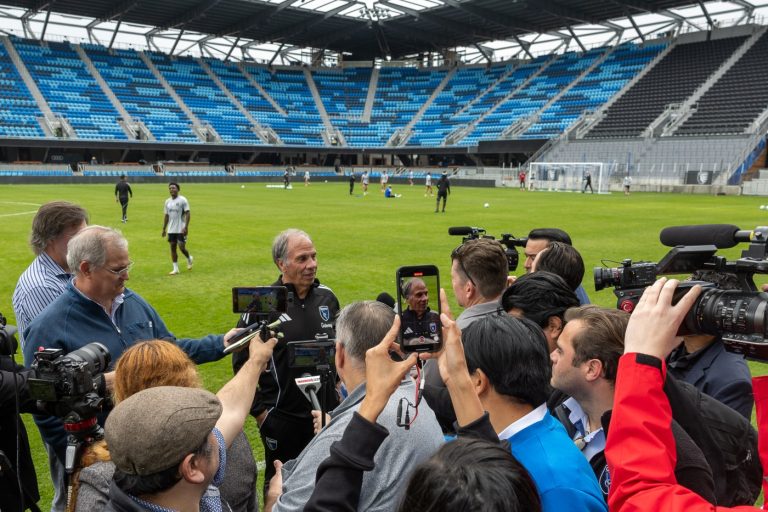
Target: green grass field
x,y
360,242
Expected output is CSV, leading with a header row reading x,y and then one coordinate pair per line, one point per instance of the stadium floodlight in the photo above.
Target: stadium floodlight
x,y
569,176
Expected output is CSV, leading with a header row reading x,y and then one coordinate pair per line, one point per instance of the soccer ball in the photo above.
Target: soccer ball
x,y
763,206
326,181
486,205
242,186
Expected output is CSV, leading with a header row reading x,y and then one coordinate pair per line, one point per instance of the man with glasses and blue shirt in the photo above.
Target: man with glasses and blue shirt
x,y
96,306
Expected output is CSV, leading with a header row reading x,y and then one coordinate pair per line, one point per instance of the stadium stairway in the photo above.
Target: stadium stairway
x,y
127,119
537,129
683,70
50,118
471,135
197,126
374,82
257,128
408,129
261,90
330,130
686,108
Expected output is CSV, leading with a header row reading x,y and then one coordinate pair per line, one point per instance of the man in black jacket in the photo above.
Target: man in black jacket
x,y
281,410
12,431
443,189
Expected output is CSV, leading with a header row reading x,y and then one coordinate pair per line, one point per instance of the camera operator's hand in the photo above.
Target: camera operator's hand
x,y
261,352
654,323
317,424
382,374
453,368
764,287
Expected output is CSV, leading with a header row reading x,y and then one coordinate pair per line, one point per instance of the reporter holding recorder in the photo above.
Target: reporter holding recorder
x,y
640,449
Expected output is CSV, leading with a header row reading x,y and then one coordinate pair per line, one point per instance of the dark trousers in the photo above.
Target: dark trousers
x,y
284,438
437,204
124,206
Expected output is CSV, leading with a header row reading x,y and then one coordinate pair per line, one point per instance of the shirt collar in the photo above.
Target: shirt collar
x,y
526,421
57,269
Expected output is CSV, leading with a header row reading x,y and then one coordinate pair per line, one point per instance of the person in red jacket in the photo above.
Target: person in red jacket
x,y
640,448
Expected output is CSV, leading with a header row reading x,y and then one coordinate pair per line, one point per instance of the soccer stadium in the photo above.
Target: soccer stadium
x,y
346,119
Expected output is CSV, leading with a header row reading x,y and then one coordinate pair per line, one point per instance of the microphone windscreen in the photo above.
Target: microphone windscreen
x,y
387,299
721,236
460,230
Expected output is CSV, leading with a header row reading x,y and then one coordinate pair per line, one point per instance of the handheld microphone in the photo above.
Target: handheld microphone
x,y
722,236
387,299
463,230
245,336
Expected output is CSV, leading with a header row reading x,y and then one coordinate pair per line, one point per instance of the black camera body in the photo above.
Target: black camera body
x,y
739,317
8,343
70,386
508,240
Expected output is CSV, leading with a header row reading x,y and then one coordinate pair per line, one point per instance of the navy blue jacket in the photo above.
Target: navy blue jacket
x,y
72,321
720,374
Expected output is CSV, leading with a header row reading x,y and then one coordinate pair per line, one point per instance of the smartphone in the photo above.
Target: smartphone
x,y
418,303
259,300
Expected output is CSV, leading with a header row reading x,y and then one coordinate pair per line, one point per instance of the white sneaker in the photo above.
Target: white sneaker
x,y
173,272
189,262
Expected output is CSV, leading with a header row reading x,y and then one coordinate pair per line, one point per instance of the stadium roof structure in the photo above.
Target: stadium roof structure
x,y
367,29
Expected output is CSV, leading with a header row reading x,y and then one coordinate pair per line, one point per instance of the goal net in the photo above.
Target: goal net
x,y
568,176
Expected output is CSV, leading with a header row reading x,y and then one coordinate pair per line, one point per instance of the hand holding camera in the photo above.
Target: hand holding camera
x,y
655,321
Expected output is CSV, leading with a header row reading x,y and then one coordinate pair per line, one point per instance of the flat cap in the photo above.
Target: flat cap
x,y
156,428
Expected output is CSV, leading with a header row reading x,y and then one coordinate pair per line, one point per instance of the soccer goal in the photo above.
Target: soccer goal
x,y
568,176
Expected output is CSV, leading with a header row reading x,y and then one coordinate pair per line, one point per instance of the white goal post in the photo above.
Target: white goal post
x,y
568,176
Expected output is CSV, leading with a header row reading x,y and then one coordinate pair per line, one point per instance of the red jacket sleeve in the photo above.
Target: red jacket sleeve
x,y
641,450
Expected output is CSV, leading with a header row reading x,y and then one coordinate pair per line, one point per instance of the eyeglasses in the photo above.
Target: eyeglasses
x,y
456,255
122,272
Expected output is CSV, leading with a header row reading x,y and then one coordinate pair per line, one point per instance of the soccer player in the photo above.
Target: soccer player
x,y
122,190
428,183
176,224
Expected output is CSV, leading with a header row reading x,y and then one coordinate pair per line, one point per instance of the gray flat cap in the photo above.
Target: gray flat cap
x,y
155,429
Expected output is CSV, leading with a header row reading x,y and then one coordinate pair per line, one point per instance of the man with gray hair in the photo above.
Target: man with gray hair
x,y
46,278
361,326
96,306
283,413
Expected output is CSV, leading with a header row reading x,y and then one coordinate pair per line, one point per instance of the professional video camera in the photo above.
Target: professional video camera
x,y
508,240
72,387
738,317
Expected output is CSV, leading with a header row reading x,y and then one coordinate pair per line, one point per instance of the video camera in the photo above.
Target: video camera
x,y
508,240
267,305
314,362
72,386
739,317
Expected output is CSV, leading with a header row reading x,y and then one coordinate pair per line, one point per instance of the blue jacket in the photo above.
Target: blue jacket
x,y
562,475
72,321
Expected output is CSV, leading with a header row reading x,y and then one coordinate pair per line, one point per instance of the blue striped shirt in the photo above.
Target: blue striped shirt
x,y
38,286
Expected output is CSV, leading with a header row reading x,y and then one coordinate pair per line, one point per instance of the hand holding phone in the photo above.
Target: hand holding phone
x,y
417,298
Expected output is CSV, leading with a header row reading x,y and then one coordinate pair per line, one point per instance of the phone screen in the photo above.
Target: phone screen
x,y
261,300
418,300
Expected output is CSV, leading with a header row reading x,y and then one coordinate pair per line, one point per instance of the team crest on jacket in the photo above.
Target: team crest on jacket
x,y
325,313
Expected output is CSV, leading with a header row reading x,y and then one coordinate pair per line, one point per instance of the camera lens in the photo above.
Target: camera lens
x,y
606,277
728,311
95,355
